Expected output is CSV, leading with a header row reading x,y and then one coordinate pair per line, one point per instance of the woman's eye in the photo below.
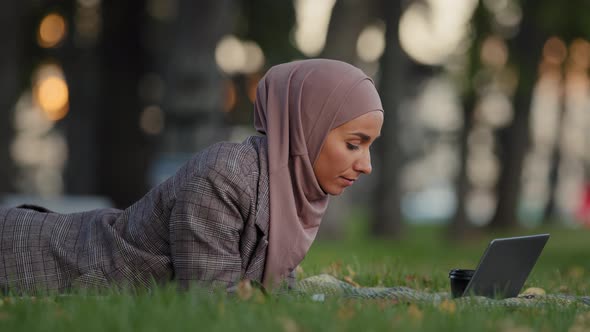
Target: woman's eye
x,y
352,146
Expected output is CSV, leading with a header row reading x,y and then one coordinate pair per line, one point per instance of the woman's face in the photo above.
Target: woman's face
x,y
345,154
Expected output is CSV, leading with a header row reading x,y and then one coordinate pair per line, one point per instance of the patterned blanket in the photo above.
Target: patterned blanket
x,y
321,286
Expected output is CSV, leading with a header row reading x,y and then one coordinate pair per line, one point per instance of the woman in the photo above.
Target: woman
x,y
233,212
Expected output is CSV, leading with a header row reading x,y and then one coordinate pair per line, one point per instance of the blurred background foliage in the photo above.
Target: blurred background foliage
x,y
487,102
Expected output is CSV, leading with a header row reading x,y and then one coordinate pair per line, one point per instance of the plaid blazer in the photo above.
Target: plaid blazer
x,y
206,224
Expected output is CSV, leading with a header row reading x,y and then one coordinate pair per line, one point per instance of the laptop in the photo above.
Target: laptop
x,y
505,266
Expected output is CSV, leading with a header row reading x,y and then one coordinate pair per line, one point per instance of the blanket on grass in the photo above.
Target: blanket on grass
x,y
324,285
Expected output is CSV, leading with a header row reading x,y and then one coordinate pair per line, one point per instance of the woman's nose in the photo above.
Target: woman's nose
x,y
363,164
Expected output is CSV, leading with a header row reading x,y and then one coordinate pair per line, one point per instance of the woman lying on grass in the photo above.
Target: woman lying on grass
x,y
233,212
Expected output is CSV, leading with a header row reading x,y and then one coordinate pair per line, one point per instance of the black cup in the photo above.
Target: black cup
x,y
459,280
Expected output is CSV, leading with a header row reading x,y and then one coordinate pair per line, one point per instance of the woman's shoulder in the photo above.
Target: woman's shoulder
x,y
231,158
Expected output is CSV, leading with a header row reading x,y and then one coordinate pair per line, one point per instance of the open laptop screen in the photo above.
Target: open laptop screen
x,y
505,266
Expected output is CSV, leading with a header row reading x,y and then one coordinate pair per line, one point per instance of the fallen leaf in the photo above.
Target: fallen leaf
x,y
334,269
448,306
289,325
415,313
259,297
299,270
582,320
426,280
575,272
534,291
508,325
350,281
351,272
245,290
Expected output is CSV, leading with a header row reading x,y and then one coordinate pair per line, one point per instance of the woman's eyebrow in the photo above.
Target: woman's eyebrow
x,y
362,136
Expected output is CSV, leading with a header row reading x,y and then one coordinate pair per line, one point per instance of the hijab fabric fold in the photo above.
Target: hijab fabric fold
x,y
297,104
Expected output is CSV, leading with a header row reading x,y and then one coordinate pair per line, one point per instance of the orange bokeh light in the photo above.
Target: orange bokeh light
x,y
52,30
52,95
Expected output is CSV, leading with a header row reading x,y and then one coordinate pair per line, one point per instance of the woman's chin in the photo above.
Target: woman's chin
x,y
336,191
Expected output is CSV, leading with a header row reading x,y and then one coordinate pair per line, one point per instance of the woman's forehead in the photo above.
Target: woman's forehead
x,y
368,124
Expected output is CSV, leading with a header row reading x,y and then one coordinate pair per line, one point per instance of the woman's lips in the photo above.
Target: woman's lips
x,y
347,182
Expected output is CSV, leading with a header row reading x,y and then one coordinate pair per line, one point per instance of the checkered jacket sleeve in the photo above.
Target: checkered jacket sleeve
x,y
207,220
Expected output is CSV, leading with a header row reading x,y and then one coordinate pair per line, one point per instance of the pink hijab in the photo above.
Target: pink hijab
x,y
297,104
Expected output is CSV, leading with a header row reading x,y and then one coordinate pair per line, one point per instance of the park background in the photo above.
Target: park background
x,y
487,129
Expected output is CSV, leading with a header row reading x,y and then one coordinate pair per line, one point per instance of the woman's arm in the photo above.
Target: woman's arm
x,y
205,226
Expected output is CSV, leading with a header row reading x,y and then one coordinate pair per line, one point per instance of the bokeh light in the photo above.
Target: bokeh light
x,y
163,10
254,57
230,96
580,54
371,43
495,109
39,150
50,91
151,120
313,18
52,30
230,55
429,32
509,15
88,22
554,50
252,86
89,3
494,52
481,205
235,56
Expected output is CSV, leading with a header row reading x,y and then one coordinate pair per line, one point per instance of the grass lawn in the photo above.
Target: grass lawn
x,y
421,261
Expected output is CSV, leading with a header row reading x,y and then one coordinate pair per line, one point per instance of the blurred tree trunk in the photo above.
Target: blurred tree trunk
x,y
550,210
349,18
193,98
253,25
82,70
269,23
387,218
124,152
460,225
526,52
12,81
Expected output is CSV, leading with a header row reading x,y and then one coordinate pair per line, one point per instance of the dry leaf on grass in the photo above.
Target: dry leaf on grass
x,y
448,306
534,291
288,324
415,313
299,270
259,297
245,290
581,323
349,280
334,269
410,277
351,272
575,272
